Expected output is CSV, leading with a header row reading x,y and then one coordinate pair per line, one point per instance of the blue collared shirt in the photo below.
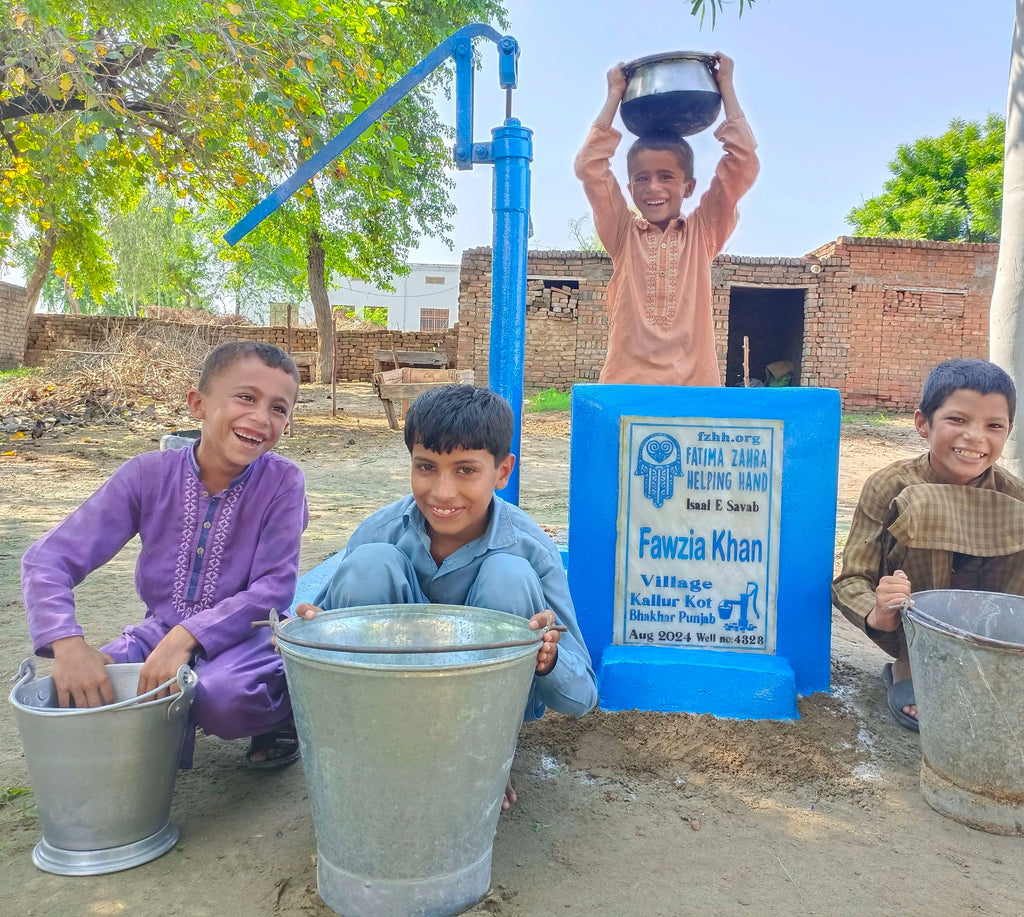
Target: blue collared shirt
x,y
570,687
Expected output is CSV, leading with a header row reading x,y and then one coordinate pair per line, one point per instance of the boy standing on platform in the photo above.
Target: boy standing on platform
x,y
949,519
220,524
660,326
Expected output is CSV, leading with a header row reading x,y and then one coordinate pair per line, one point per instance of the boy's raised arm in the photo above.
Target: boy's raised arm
x,y
723,72
736,170
593,168
616,87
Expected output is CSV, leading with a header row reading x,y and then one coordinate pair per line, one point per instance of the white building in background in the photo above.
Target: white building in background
x,y
425,299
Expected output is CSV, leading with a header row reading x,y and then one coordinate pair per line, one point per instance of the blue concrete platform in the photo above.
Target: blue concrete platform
x,y
312,581
794,597
720,683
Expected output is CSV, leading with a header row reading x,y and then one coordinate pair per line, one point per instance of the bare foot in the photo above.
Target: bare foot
x,y
510,796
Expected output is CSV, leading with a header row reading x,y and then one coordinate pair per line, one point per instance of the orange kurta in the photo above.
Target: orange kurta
x,y
660,327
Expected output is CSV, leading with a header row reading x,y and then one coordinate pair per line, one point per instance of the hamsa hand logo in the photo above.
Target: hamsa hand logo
x,y
659,462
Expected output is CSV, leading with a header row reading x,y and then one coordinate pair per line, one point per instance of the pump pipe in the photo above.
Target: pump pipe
x,y
511,151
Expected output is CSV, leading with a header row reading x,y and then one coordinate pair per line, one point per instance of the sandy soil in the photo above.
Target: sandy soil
x,y
618,813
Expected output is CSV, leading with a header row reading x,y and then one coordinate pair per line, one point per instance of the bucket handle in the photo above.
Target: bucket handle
x,y
185,678
709,61
910,630
279,634
908,624
26,672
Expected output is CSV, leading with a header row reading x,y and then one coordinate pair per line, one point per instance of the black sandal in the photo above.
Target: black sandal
x,y
283,742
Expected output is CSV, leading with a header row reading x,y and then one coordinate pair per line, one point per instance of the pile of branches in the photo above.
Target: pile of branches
x,y
141,375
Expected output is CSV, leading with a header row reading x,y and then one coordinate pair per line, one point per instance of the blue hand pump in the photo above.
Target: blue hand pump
x,y
510,151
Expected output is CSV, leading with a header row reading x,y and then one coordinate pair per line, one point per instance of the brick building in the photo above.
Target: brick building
x,y
869,317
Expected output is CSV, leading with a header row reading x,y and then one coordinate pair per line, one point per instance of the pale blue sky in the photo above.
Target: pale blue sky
x,y
830,88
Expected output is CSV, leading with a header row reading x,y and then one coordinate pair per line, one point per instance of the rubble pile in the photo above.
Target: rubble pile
x,y
140,378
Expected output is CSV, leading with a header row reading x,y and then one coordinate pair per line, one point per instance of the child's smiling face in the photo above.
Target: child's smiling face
x,y
966,434
454,490
659,186
244,412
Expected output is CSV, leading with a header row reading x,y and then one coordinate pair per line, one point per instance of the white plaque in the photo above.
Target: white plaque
x,y
697,548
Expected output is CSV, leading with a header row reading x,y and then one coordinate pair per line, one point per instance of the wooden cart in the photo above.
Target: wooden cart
x,y
407,383
421,359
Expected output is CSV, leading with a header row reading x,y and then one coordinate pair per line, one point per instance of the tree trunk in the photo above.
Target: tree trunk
x,y
316,272
1006,316
44,261
74,306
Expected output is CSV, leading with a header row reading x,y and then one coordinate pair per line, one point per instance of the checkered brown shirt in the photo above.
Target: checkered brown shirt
x,y
907,519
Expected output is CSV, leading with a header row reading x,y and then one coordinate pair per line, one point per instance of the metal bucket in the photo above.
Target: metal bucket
x,y
407,753
103,777
967,656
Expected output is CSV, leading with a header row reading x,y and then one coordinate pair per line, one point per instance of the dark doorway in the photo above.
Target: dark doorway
x,y
773,322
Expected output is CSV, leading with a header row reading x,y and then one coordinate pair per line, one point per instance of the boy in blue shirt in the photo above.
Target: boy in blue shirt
x,y
453,541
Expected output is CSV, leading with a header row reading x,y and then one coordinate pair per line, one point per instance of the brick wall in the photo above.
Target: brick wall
x,y
12,325
50,334
877,313
566,324
904,306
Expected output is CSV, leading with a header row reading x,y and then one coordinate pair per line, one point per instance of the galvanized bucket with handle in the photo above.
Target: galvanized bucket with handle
x,y
407,732
103,777
967,657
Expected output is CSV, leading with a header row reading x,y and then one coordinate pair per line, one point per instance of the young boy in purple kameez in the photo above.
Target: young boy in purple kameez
x,y
220,524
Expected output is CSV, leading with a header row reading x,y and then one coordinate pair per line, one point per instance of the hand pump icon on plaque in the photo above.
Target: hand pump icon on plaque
x,y
746,602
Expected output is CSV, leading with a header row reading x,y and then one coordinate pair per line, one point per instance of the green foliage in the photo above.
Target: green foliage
x,y
865,419
549,399
946,188
700,8
11,794
582,229
375,315
217,103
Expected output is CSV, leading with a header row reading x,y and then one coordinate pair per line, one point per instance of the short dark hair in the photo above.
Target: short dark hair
x,y
224,355
460,417
979,376
670,143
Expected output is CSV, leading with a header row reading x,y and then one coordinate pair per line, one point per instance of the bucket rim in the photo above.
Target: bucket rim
x,y
366,658
930,622
668,57
185,678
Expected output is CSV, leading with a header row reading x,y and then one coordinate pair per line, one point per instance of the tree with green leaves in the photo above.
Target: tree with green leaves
x,y
161,257
946,188
98,99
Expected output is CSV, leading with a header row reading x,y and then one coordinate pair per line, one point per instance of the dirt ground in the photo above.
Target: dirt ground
x,y
618,813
